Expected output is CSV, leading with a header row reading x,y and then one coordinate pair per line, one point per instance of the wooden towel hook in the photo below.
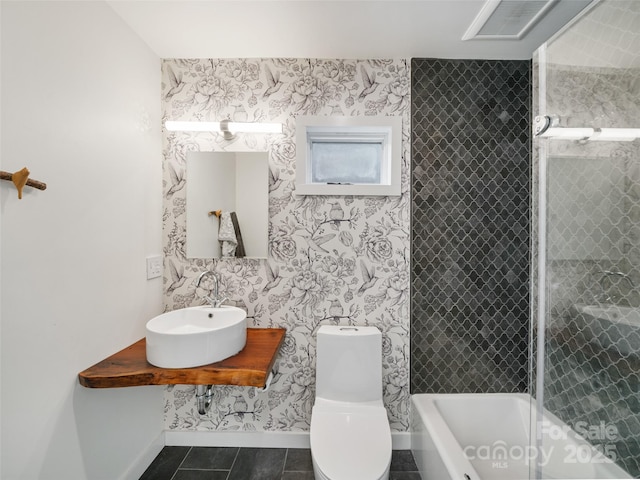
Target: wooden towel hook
x,y
217,213
20,179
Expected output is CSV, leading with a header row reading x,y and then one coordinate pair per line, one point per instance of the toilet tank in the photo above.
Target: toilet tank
x,y
349,364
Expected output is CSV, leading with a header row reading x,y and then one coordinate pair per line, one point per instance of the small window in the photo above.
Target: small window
x,y
348,155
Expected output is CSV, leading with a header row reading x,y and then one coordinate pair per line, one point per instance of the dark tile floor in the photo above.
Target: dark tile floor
x,y
233,463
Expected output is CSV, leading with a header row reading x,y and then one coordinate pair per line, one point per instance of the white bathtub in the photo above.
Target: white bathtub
x,y
486,437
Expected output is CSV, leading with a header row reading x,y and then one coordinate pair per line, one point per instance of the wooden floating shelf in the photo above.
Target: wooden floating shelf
x,y
129,367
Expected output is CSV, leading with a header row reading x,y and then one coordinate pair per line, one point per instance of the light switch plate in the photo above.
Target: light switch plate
x,y
154,267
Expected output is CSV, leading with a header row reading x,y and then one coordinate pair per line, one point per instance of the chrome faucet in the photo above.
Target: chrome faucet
x,y
216,300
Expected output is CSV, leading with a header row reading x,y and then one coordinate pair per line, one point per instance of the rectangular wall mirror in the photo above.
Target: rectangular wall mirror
x,y
228,182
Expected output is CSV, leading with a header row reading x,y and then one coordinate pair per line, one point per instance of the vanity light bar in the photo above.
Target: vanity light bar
x,y
255,127
225,126
545,126
174,126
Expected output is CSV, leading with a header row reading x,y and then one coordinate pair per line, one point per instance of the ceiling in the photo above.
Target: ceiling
x,y
327,29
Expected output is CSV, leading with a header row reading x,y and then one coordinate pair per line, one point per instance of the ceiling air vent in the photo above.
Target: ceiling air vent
x,y
507,19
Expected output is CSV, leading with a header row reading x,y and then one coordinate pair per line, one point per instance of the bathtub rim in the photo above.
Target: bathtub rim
x,y
436,421
448,448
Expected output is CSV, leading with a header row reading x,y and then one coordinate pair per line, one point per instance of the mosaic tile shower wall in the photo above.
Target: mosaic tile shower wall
x,y
592,362
470,225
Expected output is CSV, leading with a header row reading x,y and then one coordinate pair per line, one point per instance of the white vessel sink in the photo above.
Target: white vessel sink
x,y
195,336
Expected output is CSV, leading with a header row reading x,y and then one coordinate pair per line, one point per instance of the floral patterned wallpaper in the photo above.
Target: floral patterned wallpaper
x,y
332,259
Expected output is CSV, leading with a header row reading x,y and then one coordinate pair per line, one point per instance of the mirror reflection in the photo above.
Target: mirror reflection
x,y
227,204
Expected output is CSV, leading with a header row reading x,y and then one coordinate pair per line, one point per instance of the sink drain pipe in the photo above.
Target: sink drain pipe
x,y
204,396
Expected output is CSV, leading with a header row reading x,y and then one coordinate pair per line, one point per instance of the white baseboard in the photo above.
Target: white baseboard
x,y
238,439
400,440
142,462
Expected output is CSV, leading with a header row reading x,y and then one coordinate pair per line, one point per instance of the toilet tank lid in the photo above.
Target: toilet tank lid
x,y
348,330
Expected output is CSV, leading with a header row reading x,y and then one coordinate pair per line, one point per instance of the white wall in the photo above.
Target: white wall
x,y
80,109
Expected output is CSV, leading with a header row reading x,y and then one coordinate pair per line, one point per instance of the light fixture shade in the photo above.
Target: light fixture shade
x,y
177,126
255,127
224,126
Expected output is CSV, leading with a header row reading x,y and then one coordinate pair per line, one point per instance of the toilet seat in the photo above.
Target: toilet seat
x,y
353,443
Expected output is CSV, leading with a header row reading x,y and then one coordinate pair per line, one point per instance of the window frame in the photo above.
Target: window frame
x,y
384,130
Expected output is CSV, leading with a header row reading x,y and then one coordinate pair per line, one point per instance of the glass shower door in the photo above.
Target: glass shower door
x,y
587,202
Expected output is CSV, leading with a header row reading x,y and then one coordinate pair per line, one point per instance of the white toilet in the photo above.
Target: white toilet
x,y
350,434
